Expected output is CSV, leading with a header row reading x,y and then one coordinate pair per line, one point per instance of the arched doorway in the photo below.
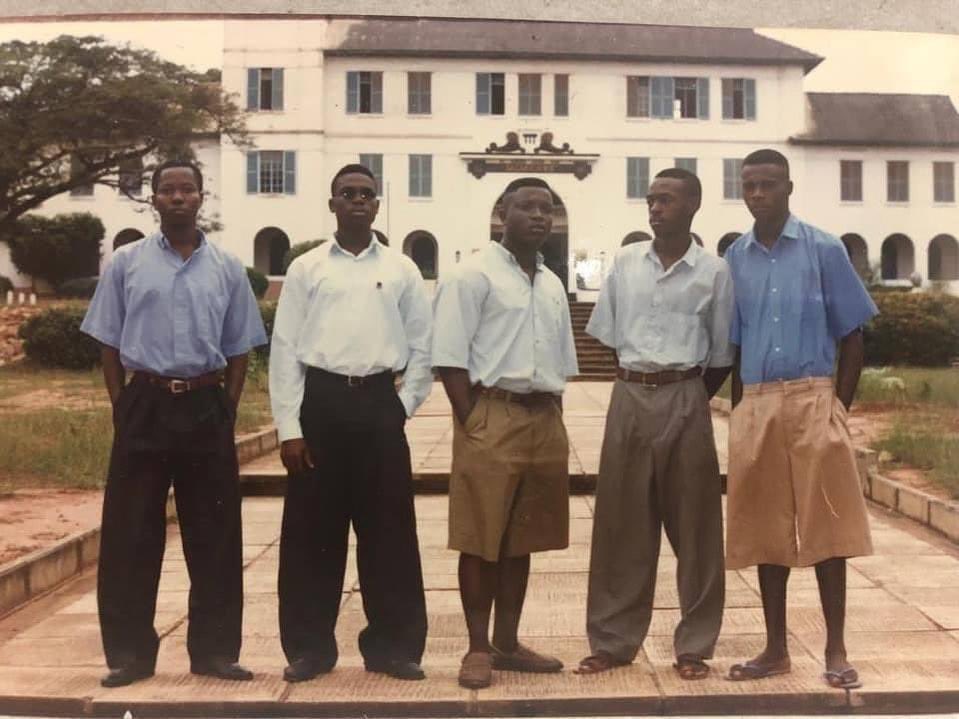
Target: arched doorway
x,y
898,258
944,258
725,241
636,236
556,248
269,246
125,237
858,252
422,248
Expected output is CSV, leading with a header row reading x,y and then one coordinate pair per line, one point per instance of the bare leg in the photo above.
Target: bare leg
x,y
831,575
510,595
774,659
478,586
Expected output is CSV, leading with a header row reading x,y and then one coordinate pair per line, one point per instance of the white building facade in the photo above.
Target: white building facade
x,y
430,105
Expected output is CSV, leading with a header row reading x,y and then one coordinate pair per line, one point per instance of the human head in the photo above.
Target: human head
x,y
766,186
177,195
526,209
350,169
155,180
673,199
353,198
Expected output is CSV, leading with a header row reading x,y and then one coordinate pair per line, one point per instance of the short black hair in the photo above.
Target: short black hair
x,y
694,187
522,182
767,157
155,180
351,169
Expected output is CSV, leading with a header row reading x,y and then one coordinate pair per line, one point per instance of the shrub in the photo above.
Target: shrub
x,y
298,249
918,328
81,287
6,285
57,248
53,339
258,282
268,313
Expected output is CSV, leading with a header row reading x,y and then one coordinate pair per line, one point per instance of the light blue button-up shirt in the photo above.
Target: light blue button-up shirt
x,y
174,317
794,302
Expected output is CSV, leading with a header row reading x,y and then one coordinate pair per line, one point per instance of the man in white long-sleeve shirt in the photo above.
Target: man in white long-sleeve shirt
x,y
352,314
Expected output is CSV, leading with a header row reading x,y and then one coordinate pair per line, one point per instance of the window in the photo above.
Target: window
x,y
561,95
897,181
850,180
692,93
637,96
686,163
364,93
78,168
421,175
374,163
739,99
271,172
530,91
732,182
131,177
637,177
943,182
418,87
264,88
490,93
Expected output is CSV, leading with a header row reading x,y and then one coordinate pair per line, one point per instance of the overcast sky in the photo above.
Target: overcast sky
x,y
856,60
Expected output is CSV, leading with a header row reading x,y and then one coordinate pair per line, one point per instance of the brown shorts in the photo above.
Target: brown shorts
x,y
794,493
509,487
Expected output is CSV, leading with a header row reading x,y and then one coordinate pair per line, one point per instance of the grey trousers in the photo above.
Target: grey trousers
x,y
658,468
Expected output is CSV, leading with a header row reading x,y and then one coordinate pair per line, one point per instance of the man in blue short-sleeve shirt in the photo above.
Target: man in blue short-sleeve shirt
x,y
794,496
178,313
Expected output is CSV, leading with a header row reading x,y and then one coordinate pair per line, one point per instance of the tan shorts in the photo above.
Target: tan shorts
x,y
509,487
794,493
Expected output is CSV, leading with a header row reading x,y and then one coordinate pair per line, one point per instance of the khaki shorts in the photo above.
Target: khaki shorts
x,y
794,493
509,486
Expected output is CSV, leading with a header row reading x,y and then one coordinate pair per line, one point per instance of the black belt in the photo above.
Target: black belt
x,y
355,381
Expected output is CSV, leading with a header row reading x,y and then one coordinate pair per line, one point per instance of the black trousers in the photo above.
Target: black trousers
x,y
362,474
185,439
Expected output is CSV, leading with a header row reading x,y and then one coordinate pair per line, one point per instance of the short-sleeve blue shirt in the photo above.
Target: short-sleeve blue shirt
x,y
174,317
794,302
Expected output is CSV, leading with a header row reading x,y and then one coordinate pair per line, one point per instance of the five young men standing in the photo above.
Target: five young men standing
x,y
353,350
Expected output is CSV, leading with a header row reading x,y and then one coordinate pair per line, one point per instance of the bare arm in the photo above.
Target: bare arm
x,y
737,393
851,355
234,377
713,378
456,382
114,376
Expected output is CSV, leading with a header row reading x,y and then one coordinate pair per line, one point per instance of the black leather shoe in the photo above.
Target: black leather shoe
x,y
221,669
306,668
398,669
122,676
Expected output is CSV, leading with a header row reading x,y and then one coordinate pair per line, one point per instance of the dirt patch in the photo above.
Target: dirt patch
x,y
50,399
916,479
868,424
11,317
38,518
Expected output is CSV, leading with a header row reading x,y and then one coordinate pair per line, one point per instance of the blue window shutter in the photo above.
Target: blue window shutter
x,y
352,92
482,93
663,92
750,92
727,86
427,176
289,173
252,89
702,98
376,97
277,88
252,176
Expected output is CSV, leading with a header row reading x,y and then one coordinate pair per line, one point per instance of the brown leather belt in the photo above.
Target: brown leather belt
x,y
526,399
354,381
655,379
178,385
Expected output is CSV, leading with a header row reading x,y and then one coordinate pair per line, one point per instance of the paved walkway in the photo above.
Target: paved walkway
x,y
903,632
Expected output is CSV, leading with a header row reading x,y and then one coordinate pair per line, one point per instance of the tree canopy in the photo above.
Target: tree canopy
x,y
74,109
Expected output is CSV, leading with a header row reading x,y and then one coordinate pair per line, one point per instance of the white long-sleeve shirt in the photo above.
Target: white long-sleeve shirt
x,y
506,331
350,314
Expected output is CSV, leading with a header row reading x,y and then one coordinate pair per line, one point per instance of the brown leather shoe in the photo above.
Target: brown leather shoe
x,y
524,659
476,672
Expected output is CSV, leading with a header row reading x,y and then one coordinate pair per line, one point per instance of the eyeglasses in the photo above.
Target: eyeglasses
x,y
348,193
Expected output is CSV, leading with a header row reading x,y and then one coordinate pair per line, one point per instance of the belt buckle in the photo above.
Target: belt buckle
x,y
354,381
643,383
179,386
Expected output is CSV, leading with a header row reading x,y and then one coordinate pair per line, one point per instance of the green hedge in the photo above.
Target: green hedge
x,y
6,284
80,287
915,328
53,339
258,282
57,248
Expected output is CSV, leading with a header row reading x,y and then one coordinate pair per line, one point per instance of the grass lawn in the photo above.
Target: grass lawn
x,y
57,427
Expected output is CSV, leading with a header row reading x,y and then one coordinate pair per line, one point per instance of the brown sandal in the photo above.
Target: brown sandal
x,y
601,661
476,671
691,667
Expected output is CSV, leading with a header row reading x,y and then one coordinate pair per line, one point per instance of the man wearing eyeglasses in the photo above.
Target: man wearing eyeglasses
x,y
353,314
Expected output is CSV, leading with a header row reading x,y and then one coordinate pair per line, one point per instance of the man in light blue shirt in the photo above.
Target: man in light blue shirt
x,y
178,312
794,497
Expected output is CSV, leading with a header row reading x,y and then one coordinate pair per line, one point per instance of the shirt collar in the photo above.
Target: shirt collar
x,y
690,257
511,258
790,230
164,243
374,246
